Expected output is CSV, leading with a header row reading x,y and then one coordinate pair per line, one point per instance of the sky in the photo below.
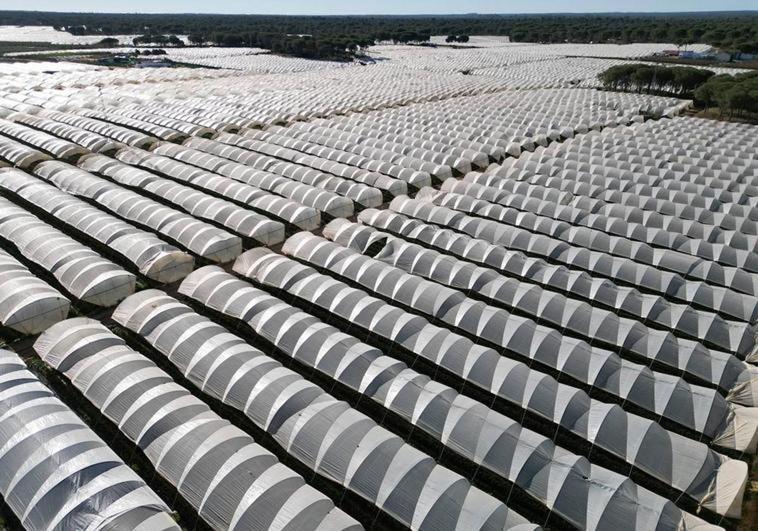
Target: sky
x,y
345,7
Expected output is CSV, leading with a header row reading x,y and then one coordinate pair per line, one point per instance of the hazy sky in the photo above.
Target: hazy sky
x,y
333,7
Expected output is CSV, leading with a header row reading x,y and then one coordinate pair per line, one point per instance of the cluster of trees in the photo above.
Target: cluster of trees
x,y
639,77
457,38
732,31
731,94
163,40
74,30
154,51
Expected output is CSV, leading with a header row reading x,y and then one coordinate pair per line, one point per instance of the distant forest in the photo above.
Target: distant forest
x,y
339,37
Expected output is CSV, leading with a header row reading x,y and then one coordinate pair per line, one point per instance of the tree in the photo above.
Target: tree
x,y
663,78
196,39
687,79
643,78
678,80
681,37
730,93
618,77
456,38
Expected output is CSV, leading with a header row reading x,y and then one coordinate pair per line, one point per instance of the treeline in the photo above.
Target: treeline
x,y
733,95
163,40
732,31
654,79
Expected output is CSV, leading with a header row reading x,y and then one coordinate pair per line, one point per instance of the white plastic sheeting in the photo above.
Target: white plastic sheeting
x,y
650,226
243,221
682,319
297,213
304,194
484,125
738,239
444,159
390,150
207,97
154,130
690,267
151,256
19,154
28,305
329,436
198,204
201,238
697,408
86,89
687,465
563,313
387,184
485,119
56,473
214,121
82,272
49,144
415,179
347,148
537,199
251,60
182,126
117,133
231,481
645,276
586,214
655,237
685,175
87,139
525,65
362,194
583,494
669,203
